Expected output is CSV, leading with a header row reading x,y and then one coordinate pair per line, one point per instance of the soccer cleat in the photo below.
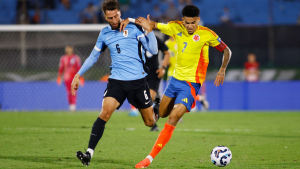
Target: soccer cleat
x,y
154,128
85,158
143,164
156,108
133,113
205,104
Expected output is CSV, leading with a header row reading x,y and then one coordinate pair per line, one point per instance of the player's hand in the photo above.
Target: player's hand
x,y
81,81
75,84
220,77
123,24
160,72
58,80
145,23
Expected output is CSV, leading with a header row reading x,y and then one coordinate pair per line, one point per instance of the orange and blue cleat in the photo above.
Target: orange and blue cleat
x,y
143,164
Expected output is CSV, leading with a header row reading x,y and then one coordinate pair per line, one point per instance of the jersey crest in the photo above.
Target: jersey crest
x,y
196,38
179,34
125,33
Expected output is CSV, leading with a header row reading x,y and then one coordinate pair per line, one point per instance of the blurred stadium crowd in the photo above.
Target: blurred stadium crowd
x,y
213,12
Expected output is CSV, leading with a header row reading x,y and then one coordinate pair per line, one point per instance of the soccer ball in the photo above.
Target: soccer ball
x,y
221,156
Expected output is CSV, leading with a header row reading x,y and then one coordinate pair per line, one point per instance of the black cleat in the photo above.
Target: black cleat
x,y
85,158
154,128
156,107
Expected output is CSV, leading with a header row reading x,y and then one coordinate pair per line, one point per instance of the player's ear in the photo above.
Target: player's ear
x,y
119,12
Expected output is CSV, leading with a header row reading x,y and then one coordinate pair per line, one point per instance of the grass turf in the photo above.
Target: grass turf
x,y
51,139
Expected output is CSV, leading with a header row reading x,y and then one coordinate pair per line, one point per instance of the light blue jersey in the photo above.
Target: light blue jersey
x,y
126,50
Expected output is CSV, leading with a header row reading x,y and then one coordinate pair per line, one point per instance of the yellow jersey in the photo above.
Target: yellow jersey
x,y
173,52
192,50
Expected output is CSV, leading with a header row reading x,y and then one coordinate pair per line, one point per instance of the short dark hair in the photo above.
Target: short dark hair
x,y
110,5
190,11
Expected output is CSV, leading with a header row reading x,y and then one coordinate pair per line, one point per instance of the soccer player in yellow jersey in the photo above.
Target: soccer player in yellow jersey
x,y
193,42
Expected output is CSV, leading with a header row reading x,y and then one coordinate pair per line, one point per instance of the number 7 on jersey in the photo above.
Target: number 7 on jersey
x,y
185,44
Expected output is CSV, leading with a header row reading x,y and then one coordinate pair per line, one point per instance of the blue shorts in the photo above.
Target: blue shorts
x,y
185,92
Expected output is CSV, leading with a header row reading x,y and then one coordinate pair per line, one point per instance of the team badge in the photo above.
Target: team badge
x,y
196,38
125,33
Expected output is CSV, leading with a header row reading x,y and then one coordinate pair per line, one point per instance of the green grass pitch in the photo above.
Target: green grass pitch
x,y
258,140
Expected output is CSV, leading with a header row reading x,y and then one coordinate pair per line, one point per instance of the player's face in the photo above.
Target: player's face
x,y
113,17
251,58
191,23
69,50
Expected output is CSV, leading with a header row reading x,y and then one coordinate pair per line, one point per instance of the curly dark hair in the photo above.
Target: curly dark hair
x,y
190,11
110,5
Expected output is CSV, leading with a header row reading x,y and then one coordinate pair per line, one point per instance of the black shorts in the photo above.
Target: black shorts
x,y
136,91
153,81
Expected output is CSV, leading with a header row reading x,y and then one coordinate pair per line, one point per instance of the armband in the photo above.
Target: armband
x,y
221,46
131,20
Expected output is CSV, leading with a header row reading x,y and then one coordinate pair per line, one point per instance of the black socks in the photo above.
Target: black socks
x,y
97,132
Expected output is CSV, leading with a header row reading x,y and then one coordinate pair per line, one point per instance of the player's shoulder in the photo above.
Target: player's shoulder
x,y
206,30
135,26
63,57
176,23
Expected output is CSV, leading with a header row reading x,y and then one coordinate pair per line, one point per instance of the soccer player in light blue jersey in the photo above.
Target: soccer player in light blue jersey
x,y
128,72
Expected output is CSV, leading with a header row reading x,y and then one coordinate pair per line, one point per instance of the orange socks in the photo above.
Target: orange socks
x,y
163,138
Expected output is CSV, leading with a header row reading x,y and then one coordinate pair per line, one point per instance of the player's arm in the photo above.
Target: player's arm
x,y
60,71
216,42
81,79
221,74
137,21
88,63
149,40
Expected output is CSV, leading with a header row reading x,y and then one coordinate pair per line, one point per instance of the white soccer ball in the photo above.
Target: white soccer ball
x,y
221,156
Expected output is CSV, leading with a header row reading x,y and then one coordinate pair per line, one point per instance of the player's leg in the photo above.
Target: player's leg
x,y
114,97
166,105
138,94
148,116
153,83
184,102
153,96
71,98
109,105
165,135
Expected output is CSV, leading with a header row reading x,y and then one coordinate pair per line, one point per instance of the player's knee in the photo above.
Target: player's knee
x,y
105,114
149,122
173,119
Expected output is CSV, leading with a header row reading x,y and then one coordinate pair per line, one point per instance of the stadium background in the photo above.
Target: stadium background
x,y
30,53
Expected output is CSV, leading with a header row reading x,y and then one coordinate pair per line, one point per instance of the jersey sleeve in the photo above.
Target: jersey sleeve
x,y
92,59
100,44
215,41
165,28
61,66
149,41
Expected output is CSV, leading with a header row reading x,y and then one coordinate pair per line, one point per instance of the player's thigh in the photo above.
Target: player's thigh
x,y
68,84
177,112
138,94
147,115
166,106
109,105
